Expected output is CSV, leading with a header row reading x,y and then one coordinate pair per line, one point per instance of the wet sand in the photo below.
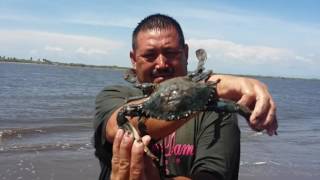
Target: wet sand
x,y
82,165
49,165
280,173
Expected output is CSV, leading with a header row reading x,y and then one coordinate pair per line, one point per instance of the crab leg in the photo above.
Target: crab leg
x,y
223,105
124,123
203,76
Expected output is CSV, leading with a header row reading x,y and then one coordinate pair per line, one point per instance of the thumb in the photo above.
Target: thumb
x,y
146,140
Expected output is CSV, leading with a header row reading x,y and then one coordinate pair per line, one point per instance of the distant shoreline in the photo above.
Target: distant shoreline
x,y
48,62
114,67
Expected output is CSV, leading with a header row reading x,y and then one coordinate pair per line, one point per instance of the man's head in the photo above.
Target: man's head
x,y
158,49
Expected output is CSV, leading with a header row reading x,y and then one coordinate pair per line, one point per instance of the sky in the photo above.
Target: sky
x,y
249,37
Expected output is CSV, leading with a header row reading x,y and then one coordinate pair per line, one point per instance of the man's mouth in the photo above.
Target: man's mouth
x,y
160,75
158,79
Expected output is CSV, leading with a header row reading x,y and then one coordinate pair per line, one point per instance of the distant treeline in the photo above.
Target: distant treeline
x,y
4,59
49,62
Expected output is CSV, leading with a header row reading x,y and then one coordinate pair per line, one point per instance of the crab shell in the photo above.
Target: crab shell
x,y
178,98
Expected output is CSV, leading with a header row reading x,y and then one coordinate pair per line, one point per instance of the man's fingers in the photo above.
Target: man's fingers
x,y
247,100
260,110
125,156
137,165
272,128
261,114
271,114
117,141
116,157
265,117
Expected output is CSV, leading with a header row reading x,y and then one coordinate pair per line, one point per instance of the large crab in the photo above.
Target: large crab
x,y
175,99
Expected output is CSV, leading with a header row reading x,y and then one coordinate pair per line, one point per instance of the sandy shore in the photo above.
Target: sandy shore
x,y
49,165
280,173
82,165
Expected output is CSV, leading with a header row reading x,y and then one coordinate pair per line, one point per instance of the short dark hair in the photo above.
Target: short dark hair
x,y
159,22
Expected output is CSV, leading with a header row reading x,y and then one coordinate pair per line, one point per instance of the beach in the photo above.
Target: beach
x,y
81,165
49,165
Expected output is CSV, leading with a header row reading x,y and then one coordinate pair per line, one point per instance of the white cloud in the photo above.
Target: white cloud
x,y
56,46
232,52
104,22
51,48
91,51
304,59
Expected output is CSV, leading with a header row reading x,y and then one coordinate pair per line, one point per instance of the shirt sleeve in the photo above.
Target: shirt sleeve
x,y
110,99
217,145
107,101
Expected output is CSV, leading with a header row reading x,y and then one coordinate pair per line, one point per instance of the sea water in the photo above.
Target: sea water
x,y
47,110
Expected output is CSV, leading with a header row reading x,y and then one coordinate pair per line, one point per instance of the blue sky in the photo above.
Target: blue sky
x,y
273,38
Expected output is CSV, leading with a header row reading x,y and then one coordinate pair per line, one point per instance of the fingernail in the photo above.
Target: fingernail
x,y
128,134
127,137
119,133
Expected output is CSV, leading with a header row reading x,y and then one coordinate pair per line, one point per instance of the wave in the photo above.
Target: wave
x,y
45,147
12,133
260,163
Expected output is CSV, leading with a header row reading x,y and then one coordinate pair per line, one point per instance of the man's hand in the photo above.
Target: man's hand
x,y
128,161
256,95
253,94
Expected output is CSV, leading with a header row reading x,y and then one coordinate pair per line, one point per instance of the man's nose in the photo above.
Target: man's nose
x,y
161,62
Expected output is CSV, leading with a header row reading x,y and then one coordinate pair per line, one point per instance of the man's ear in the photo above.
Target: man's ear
x,y
133,59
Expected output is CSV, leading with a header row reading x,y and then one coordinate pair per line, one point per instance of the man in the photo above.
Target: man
x,y
207,146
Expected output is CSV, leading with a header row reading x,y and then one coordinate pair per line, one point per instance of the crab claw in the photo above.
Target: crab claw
x,y
202,57
201,54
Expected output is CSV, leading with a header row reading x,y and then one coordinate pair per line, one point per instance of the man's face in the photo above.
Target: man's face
x,y
158,56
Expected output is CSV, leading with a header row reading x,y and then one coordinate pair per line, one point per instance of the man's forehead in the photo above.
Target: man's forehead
x,y
156,31
155,35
